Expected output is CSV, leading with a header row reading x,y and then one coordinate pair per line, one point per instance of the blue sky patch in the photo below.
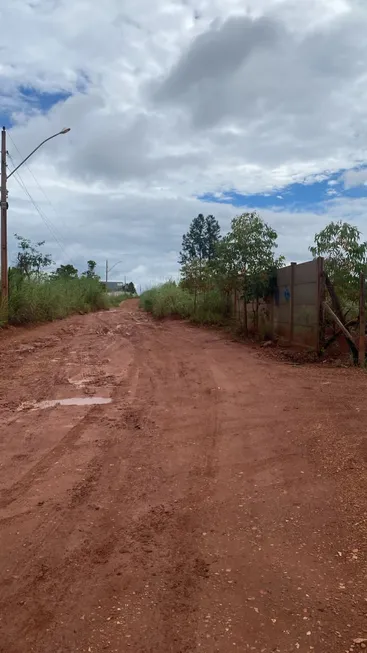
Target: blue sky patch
x,y
5,120
309,195
28,99
41,100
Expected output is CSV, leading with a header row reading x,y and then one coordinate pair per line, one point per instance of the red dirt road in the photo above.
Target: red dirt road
x,y
217,504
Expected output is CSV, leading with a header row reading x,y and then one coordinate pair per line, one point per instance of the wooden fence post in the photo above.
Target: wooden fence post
x,y
291,304
362,320
272,325
245,317
320,333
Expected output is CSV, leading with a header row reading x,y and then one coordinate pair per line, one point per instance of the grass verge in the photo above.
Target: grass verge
x,y
171,300
47,299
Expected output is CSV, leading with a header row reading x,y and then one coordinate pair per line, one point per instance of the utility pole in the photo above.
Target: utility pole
x,y
108,269
4,206
4,220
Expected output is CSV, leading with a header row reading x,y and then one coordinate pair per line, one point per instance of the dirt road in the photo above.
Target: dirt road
x,y
218,503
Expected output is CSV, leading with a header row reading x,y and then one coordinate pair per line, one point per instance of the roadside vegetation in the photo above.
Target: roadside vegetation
x,y
49,298
173,300
213,266
345,257
38,296
245,261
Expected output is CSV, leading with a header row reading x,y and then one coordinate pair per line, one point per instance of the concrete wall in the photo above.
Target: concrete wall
x,y
297,304
293,314
281,314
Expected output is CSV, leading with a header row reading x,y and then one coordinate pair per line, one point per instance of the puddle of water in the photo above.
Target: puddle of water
x,y
73,401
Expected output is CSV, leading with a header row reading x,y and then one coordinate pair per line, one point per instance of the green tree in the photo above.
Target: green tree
x,y
199,247
253,243
200,241
91,271
225,266
345,256
226,273
212,237
67,272
196,276
130,288
251,246
30,260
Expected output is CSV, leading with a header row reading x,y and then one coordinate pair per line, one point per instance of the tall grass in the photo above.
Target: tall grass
x,y
171,300
47,299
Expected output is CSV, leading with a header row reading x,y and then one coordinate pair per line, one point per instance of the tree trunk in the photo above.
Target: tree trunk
x,y
346,333
337,313
334,299
245,321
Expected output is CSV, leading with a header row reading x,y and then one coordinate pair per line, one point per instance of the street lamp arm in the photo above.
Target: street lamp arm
x,y
63,131
118,263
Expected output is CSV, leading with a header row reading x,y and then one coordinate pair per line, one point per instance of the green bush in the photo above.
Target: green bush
x,y
51,298
211,308
171,300
148,299
167,300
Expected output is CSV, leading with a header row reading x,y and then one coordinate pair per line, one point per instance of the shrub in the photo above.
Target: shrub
x,y
49,298
167,300
171,300
211,308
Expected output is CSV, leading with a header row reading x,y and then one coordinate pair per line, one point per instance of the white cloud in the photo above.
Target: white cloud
x,y
250,100
353,178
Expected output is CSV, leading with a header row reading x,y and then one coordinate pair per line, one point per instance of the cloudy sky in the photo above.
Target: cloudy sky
x,y
178,107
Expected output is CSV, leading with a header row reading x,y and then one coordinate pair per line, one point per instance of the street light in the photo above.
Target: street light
x,y
108,269
4,206
63,131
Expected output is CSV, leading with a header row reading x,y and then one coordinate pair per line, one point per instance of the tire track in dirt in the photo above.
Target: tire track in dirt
x,y
25,483
153,534
195,523
35,575
166,537
92,548
95,413
95,545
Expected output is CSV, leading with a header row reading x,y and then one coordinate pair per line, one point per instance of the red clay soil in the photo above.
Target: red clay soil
x,y
218,503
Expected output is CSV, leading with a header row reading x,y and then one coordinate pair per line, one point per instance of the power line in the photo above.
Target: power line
x,y
42,215
39,186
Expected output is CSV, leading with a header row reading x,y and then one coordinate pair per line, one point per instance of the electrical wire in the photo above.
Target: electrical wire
x,y
39,186
42,215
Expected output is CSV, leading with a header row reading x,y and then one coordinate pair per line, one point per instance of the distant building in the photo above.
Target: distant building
x,y
115,286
